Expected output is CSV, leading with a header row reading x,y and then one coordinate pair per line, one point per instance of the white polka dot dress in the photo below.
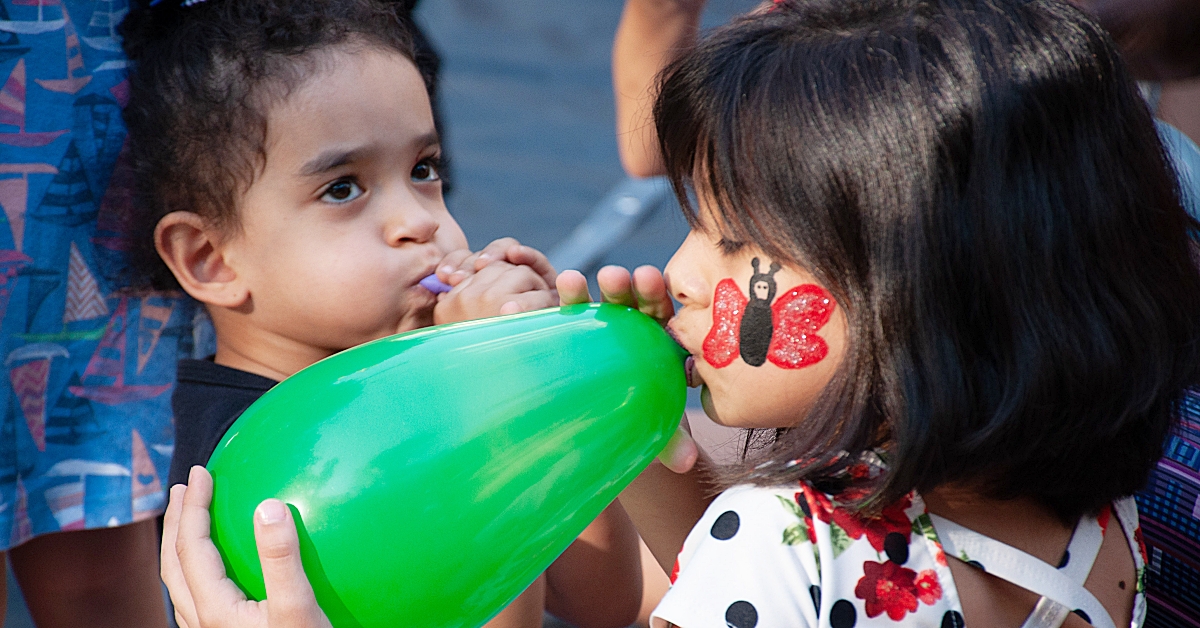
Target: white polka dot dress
x,y
790,556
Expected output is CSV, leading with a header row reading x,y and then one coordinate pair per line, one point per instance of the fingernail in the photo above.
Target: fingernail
x,y
485,257
446,270
192,473
271,511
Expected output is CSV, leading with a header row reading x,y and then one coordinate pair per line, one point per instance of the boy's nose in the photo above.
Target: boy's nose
x,y
413,224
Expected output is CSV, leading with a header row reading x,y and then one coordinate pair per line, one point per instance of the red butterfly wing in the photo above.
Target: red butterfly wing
x,y
796,316
721,344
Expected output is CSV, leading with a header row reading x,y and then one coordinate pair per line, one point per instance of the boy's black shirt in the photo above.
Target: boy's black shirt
x,y
207,399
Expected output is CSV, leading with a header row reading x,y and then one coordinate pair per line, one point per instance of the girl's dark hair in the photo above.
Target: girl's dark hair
x,y
980,186
202,81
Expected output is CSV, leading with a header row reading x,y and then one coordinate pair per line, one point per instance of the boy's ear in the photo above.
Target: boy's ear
x,y
192,249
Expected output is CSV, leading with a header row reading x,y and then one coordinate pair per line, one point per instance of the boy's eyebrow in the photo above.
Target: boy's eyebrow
x,y
329,160
336,157
426,140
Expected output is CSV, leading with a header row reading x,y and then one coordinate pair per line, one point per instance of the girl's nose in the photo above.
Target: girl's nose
x,y
412,223
685,282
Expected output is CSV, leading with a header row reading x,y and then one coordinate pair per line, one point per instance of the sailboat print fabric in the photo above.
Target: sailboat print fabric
x,y
88,366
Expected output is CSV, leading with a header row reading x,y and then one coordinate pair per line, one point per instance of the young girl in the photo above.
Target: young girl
x,y
291,184
939,254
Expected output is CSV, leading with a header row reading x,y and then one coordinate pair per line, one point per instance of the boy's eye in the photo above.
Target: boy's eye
x,y
342,191
426,170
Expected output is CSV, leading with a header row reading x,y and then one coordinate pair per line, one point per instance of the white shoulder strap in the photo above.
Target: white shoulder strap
x,y
1047,614
1064,587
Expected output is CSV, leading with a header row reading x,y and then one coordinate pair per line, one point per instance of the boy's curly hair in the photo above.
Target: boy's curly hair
x,y
203,79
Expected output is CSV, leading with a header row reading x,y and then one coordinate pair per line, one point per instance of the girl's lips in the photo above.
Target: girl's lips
x,y
693,377
689,363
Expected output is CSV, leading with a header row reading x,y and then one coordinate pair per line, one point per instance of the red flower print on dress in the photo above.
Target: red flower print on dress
x,y
860,471
854,493
818,502
808,524
892,519
929,590
675,572
887,588
940,556
1137,536
1103,519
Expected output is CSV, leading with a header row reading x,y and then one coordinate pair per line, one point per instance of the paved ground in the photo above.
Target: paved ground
x,y
527,99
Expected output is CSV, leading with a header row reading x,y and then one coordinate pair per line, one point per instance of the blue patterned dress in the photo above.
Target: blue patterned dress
x,y
87,434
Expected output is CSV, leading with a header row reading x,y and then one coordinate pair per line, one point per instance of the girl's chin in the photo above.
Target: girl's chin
x,y
706,402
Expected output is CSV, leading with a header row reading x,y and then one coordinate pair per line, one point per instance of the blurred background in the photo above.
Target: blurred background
x,y
526,97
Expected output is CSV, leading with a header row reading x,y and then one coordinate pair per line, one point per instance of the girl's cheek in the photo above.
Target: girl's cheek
x,y
767,324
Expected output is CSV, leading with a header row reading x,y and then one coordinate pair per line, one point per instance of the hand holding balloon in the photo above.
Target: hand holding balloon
x,y
506,277
646,291
195,576
458,265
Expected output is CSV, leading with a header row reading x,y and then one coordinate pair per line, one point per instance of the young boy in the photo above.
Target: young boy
x,y
290,163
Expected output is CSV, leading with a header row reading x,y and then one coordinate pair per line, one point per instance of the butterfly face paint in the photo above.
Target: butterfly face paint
x,y
783,332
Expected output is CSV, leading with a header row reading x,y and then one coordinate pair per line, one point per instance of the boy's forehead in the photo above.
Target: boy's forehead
x,y
352,97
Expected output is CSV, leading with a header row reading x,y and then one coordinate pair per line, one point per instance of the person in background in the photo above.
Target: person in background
x,y
86,437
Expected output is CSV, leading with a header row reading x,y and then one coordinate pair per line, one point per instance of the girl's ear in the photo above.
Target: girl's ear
x,y
192,249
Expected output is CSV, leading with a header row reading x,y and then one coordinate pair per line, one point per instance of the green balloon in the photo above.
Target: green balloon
x,y
434,474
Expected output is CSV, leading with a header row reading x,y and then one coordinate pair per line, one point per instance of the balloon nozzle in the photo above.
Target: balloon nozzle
x,y
435,285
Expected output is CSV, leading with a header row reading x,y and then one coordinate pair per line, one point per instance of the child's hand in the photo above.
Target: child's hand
x,y
646,291
195,576
497,288
459,265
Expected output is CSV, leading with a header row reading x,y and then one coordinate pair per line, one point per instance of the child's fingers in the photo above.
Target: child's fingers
x,y
169,569
572,288
290,600
495,250
487,291
507,284
616,286
681,452
456,266
214,595
528,256
650,290
500,277
530,301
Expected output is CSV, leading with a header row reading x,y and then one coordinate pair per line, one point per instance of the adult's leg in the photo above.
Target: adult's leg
x,y
103,578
